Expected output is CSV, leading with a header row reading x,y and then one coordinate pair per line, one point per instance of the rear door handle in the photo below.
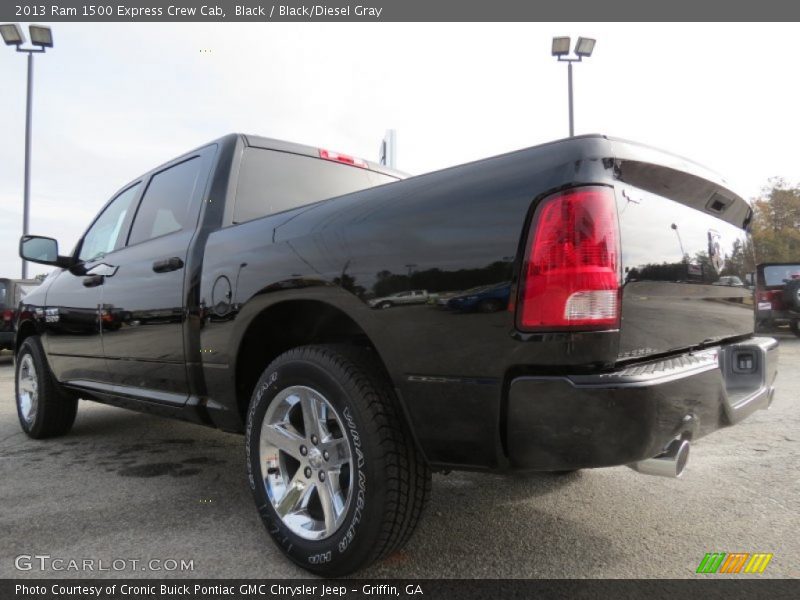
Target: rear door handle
x,y
93,280
167,265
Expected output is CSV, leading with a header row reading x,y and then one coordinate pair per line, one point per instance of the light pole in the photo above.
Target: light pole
x,y
680,241
583,48
43,38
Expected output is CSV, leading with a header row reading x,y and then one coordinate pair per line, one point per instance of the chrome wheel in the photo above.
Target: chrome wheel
x,y
305,462
27,389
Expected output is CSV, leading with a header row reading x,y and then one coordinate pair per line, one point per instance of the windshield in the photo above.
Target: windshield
x,y
777,274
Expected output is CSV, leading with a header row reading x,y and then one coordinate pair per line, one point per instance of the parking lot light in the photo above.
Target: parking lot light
x,y
42,38
583,47
560,49
560,46
12,34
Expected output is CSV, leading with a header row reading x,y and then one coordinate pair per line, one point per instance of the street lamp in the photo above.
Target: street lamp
x,y
583,48
41,38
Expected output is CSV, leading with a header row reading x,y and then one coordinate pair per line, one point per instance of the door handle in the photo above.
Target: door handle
x,y
167,265
93,280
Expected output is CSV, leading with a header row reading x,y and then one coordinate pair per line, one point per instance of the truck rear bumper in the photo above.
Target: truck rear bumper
x,y
624,416
776,317
6,340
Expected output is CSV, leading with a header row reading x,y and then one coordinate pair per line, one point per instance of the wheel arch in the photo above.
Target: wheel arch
x,y
25,329
287,324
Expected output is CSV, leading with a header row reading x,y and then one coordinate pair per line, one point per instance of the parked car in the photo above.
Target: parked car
x,y
488,299
730,281
401,299
12,292
237,279
444,297
778,296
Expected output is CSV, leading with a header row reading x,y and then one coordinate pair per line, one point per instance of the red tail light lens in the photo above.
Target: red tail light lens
x,y
570,278
774,297
343,158
8,315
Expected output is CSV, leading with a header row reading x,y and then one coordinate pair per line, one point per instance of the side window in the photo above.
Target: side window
x,y
167,206
104,235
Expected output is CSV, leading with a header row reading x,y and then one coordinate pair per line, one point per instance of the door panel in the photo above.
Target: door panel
x,y
73,329
144,301
143,340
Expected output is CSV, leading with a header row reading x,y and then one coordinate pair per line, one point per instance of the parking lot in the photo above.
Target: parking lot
x,y
134,487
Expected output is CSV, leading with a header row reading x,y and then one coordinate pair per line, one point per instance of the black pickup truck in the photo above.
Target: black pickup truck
x,y
232,287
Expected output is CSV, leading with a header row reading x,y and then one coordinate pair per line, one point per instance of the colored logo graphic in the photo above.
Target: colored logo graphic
x,y
734,562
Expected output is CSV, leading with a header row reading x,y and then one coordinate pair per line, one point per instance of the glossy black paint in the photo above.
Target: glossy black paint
x,y
311,271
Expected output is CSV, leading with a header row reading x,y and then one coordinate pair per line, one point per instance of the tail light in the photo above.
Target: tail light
x,y
343,158
774,297
570,278
8,315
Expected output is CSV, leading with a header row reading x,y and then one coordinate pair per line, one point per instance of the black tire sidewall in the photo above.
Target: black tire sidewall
x,y
352,543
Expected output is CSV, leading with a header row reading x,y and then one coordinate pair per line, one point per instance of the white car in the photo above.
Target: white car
x,y
400,299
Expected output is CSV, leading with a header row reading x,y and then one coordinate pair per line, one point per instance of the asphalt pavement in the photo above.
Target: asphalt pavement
x,y
129,487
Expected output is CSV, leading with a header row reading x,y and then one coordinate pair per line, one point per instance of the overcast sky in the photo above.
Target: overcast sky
x,y
114,100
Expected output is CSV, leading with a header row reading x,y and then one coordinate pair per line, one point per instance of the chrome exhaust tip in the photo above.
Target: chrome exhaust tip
x,y
669,463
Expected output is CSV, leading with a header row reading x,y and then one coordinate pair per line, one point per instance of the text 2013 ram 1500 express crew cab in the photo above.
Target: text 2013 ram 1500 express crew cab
x,y
232,287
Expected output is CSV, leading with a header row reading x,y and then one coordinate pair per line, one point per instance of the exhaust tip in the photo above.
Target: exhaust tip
x,y
670,463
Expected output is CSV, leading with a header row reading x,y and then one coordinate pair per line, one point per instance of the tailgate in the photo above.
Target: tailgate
x,y
685,254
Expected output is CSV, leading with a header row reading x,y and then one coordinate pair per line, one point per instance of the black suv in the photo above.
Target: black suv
x,y
778,296
12,291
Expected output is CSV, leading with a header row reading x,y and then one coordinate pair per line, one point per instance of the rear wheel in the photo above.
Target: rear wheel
x,y
43,407
334,472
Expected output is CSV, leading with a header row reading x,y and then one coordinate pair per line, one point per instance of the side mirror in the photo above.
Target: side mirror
x,y
42,250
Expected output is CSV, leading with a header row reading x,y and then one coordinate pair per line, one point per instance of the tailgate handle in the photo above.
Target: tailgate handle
x,y
167,265
93,280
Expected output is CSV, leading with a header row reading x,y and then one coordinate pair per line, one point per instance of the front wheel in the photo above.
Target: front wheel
x,y
43,407
336,477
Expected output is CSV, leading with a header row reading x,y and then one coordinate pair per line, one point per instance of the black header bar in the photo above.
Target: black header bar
x,y
398,10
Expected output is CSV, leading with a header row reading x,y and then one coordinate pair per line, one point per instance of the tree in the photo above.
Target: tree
x,y
776,223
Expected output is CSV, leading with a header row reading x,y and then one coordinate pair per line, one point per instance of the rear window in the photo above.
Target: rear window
x,y
3,294
777,274
271,181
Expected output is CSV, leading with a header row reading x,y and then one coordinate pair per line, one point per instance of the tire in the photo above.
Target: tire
x,y
384,305
382,482
794,325
44,408
791,294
